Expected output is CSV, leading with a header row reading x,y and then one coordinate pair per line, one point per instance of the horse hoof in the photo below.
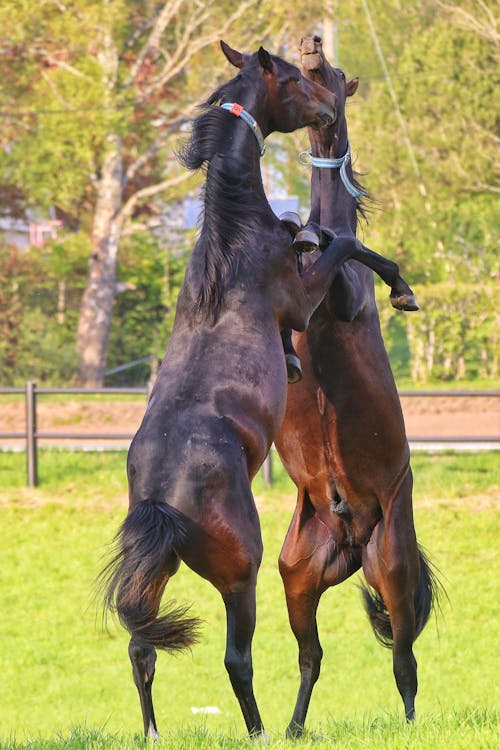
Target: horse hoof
x,y
260,737
294,731
293,368
406,302
305,241
153,733
292,221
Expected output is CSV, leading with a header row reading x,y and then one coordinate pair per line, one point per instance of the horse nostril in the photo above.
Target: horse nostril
x,y
328,118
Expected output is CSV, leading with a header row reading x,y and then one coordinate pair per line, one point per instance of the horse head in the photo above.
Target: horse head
x,y
276,93
316,67
336,197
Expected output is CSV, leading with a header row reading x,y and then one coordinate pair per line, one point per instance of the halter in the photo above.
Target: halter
x,y
324,163
238,111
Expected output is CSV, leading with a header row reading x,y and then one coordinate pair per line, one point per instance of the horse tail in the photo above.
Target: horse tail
x,y
425,598
377,614
134,580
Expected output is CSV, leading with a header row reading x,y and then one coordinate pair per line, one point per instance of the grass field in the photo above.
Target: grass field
x,y
66,682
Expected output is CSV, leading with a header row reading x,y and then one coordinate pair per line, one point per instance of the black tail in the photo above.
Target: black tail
x,y
426,597
135,578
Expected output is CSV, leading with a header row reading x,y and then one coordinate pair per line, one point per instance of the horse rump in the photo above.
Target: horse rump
x,y
425,598
135,578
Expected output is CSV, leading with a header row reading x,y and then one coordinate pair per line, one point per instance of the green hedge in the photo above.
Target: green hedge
x,y
454,335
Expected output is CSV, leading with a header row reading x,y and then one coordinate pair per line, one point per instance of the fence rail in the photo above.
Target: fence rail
x,y
31,435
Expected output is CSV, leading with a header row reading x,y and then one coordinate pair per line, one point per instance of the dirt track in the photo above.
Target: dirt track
x,y
435,416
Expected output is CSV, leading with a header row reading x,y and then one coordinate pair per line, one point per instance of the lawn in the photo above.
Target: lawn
x,y
66,681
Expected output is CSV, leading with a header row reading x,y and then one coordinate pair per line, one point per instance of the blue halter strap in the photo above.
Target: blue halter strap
x,y
238,111
325,163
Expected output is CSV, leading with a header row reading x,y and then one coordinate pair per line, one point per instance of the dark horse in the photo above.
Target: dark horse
x,y
343,441
220,394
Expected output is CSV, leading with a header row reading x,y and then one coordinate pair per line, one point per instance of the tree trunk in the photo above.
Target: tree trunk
x,y
95,312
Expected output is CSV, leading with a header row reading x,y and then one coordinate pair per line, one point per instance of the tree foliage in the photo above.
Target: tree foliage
x,y
95,97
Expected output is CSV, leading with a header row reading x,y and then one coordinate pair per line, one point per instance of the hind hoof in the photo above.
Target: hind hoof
x,y
406,302
294,731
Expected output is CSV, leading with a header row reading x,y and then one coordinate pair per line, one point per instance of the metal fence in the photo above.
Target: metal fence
x,y
31,435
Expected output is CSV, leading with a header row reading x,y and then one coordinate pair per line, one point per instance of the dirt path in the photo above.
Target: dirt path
x,y
436,416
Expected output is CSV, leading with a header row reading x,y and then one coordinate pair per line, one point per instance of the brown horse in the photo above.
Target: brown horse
x,y
343,441
220,394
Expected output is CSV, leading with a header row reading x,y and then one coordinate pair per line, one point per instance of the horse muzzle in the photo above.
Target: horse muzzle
x,y
311,53
312,61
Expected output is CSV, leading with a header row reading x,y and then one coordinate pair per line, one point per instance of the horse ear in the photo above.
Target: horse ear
x,y
352,86
234,57
265,60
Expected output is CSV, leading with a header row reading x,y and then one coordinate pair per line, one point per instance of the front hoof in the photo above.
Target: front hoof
x,y
294,731
306,241
292,222
406,302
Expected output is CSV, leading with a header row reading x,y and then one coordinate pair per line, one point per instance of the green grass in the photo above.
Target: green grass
x,y
66,472
66,683
461,730
468,384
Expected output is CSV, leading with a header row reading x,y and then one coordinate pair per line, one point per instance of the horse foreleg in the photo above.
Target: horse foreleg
x,y
240,613
309,563
143,660
402,297
391,566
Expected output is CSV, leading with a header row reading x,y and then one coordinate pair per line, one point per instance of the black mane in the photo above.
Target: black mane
x,y
231,206
365,203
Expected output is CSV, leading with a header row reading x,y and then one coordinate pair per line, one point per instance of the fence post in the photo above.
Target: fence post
x,y
31,439
267,469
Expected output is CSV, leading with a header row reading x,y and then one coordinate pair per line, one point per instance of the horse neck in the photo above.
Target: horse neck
x,y
331,205
235,210
238,157
234,196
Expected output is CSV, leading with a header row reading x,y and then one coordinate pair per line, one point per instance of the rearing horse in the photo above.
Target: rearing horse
x,y
343,441
220,394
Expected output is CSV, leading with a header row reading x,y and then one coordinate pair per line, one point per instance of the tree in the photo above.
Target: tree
x,y
438,211
95,95
107,87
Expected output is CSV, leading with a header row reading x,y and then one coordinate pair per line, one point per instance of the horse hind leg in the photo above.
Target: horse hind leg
x,y
143,659
309,564
134,582
391,566
302,614
394,627
241,617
